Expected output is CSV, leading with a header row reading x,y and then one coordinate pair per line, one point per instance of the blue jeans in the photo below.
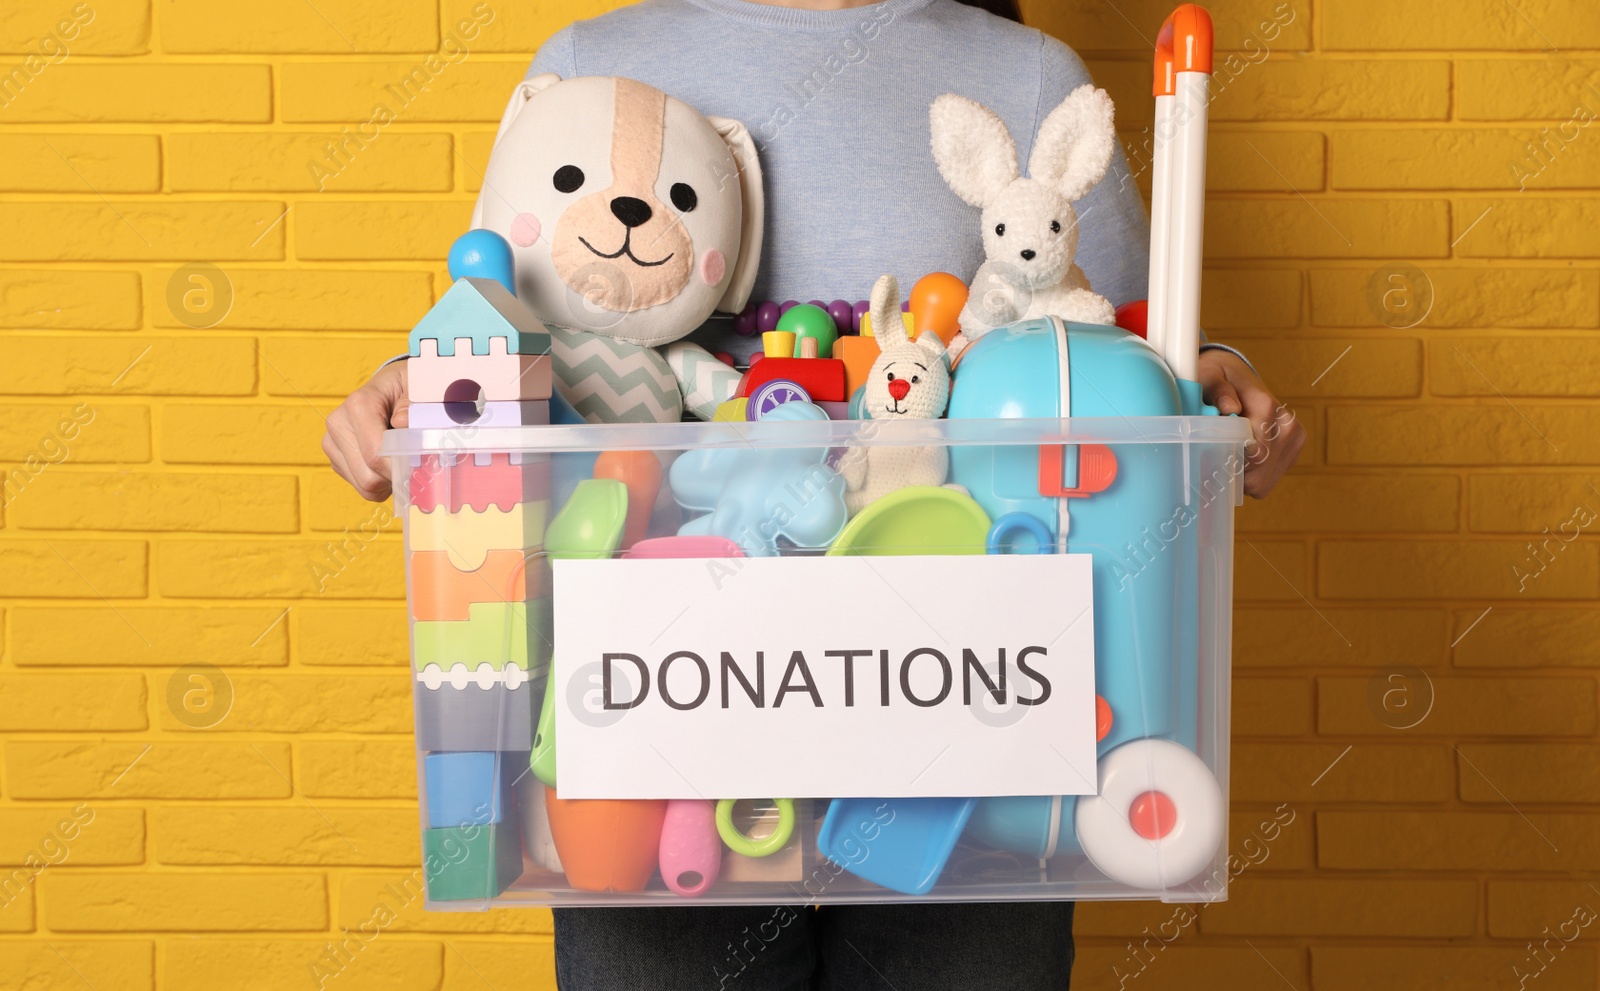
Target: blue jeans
x,y
1015,946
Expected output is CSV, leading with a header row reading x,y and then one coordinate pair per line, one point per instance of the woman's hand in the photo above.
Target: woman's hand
x,y
356,429
1227,383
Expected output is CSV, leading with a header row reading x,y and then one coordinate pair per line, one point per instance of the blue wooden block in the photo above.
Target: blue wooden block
x,y
470,787
480,309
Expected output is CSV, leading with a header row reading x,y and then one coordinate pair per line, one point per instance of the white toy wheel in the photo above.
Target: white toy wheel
x,y
1159,817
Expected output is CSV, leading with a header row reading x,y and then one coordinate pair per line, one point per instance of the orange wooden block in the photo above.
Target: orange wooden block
x,y
441,591
858,354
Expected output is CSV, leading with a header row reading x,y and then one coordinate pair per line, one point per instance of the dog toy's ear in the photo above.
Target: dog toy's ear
x,y
972,148
888,323
753,222
1075,143
525,91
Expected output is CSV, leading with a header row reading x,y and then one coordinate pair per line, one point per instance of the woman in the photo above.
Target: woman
x,y
836,93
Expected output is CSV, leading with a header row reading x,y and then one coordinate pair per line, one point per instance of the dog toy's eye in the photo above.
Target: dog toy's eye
x,y
1000,230
568,178
683,197
1055,227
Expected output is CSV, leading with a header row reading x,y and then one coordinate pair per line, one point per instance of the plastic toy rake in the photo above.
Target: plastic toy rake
x,y
1177,200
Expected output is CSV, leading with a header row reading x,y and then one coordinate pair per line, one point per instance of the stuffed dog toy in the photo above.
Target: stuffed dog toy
x,y
631,218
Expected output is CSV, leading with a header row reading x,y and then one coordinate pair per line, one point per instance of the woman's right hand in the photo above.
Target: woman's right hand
x,y
355,431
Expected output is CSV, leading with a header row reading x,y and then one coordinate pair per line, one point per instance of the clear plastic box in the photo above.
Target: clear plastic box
x,y
502,522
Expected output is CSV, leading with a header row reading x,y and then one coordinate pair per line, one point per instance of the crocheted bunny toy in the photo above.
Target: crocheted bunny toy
x,y
1030,231
910,379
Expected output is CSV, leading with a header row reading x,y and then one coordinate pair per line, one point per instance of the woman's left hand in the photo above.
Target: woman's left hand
x,y
1227,383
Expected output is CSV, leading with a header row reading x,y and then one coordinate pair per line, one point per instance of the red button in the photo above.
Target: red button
x,y
1152,815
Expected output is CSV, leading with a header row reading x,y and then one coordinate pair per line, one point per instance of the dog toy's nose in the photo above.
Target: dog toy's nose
x,y
898,388
1027,253
631,211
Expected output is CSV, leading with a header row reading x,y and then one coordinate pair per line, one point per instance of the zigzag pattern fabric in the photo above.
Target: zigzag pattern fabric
x,y
705,380
612,381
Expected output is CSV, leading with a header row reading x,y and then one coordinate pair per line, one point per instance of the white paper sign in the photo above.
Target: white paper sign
x,y
825,677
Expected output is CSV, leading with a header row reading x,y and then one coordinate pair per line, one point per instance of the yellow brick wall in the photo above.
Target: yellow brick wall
x,y
167,506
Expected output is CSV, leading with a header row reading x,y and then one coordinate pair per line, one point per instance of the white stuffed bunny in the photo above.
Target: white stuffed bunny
x,y
1030,232
909,379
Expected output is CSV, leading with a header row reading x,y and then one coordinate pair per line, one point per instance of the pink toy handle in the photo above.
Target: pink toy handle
x,y
691,850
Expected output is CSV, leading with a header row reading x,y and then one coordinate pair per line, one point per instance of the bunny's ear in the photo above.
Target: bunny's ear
x,y
1075,143
888,323
934,345
972,148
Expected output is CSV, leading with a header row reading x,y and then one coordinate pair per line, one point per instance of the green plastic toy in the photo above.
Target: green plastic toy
x,y
807,320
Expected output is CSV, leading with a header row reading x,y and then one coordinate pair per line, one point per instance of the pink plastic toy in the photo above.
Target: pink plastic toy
x,y
691,850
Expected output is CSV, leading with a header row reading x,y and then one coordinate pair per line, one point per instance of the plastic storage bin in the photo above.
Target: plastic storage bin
x,y
528,546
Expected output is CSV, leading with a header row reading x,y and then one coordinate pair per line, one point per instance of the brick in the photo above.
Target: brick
x,y
81,771
1476,158
99,701
243,434
283,965
1362,638
68,568
326,835
1526,89
88,433
356,769
164,636
1271,571
1526,227
60,365
1264,298
1271,707
1238,26
1499,296
80,163
1270,906
111,965
1324,89
160,901
1497,435
472,157
1555,506
147,92
1521,366
1526,909
1456,569
1296,227
300,161
60,31
16,915
283,703
299,569
420,230
323,366
166,501
362,896
1357,504
74,835
1467,968
1285,772
1520,638
1557,773
1242,161
1463,705
335,506
301,299
1344,367
338,27
348,92
1444,841
1469,24
1269,837
470,964
357,635
1154,966
165,230
69,300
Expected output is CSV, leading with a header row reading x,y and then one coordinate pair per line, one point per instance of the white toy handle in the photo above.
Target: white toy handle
x,y
1178,185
